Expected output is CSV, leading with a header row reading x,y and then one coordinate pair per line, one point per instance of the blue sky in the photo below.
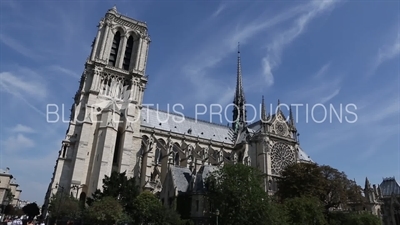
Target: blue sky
x,y
329,52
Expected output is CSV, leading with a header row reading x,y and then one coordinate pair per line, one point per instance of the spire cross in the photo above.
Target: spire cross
x,y
239,47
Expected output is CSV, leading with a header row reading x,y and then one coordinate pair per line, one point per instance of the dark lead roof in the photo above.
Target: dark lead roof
x,y
389,186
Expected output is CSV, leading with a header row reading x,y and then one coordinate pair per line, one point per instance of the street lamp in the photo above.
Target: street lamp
x,y
216,216
5,204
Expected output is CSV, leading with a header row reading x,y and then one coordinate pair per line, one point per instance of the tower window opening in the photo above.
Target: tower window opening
x,y
64,152
114,49
128,53
177,160
117,149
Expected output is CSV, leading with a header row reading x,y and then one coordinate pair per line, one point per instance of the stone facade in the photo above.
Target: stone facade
x,y
102,134
381,200
9,192
389,195
169,154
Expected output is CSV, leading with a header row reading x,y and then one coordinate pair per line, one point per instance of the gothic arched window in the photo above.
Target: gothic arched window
x,y
128,53
114,49
177,161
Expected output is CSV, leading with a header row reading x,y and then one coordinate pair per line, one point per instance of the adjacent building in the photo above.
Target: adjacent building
x,y
389,195
169,154
382,200
9,192
5,190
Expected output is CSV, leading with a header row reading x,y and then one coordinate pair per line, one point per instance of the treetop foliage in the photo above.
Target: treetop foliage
x,y
31,210
236,191
325,183
306,194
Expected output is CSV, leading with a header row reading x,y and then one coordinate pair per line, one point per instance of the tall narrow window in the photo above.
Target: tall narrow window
x,y
64,151
177,159
128,53
114,49
117,149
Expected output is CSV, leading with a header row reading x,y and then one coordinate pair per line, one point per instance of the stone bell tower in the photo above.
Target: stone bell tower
x,y
103,133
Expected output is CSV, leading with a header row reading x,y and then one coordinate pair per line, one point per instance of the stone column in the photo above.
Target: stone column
x,y
104,41
121,51
138,54
96,44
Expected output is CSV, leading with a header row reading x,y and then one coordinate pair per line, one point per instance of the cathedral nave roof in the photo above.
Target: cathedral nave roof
x,y
162,120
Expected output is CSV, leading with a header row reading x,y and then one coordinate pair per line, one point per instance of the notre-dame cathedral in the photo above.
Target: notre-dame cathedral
x,y
110,130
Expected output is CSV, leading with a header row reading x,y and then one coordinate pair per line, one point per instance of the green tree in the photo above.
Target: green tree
x,y
346,218
9,196
304,211
354,194
336,187
149,210
31,210
9,210
301,179
106,210
236,191
18,212
171,217
117,185
63,205
330,186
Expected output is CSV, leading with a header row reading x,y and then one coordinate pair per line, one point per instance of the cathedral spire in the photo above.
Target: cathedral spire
x,y
263,111
367,184
239,111
278,107
291,121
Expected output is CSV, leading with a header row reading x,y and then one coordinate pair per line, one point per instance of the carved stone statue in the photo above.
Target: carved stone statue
x,y
101,24
220,156
171,158
248,161
205,153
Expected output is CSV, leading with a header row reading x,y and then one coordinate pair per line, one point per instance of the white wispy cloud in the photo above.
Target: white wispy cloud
x,y
60,69
17,142
386,52
226,97
385,134
323,70
18,47
275,49
219,10
321,88
26,86
198,68
377,119
330,96
19,128
23,81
